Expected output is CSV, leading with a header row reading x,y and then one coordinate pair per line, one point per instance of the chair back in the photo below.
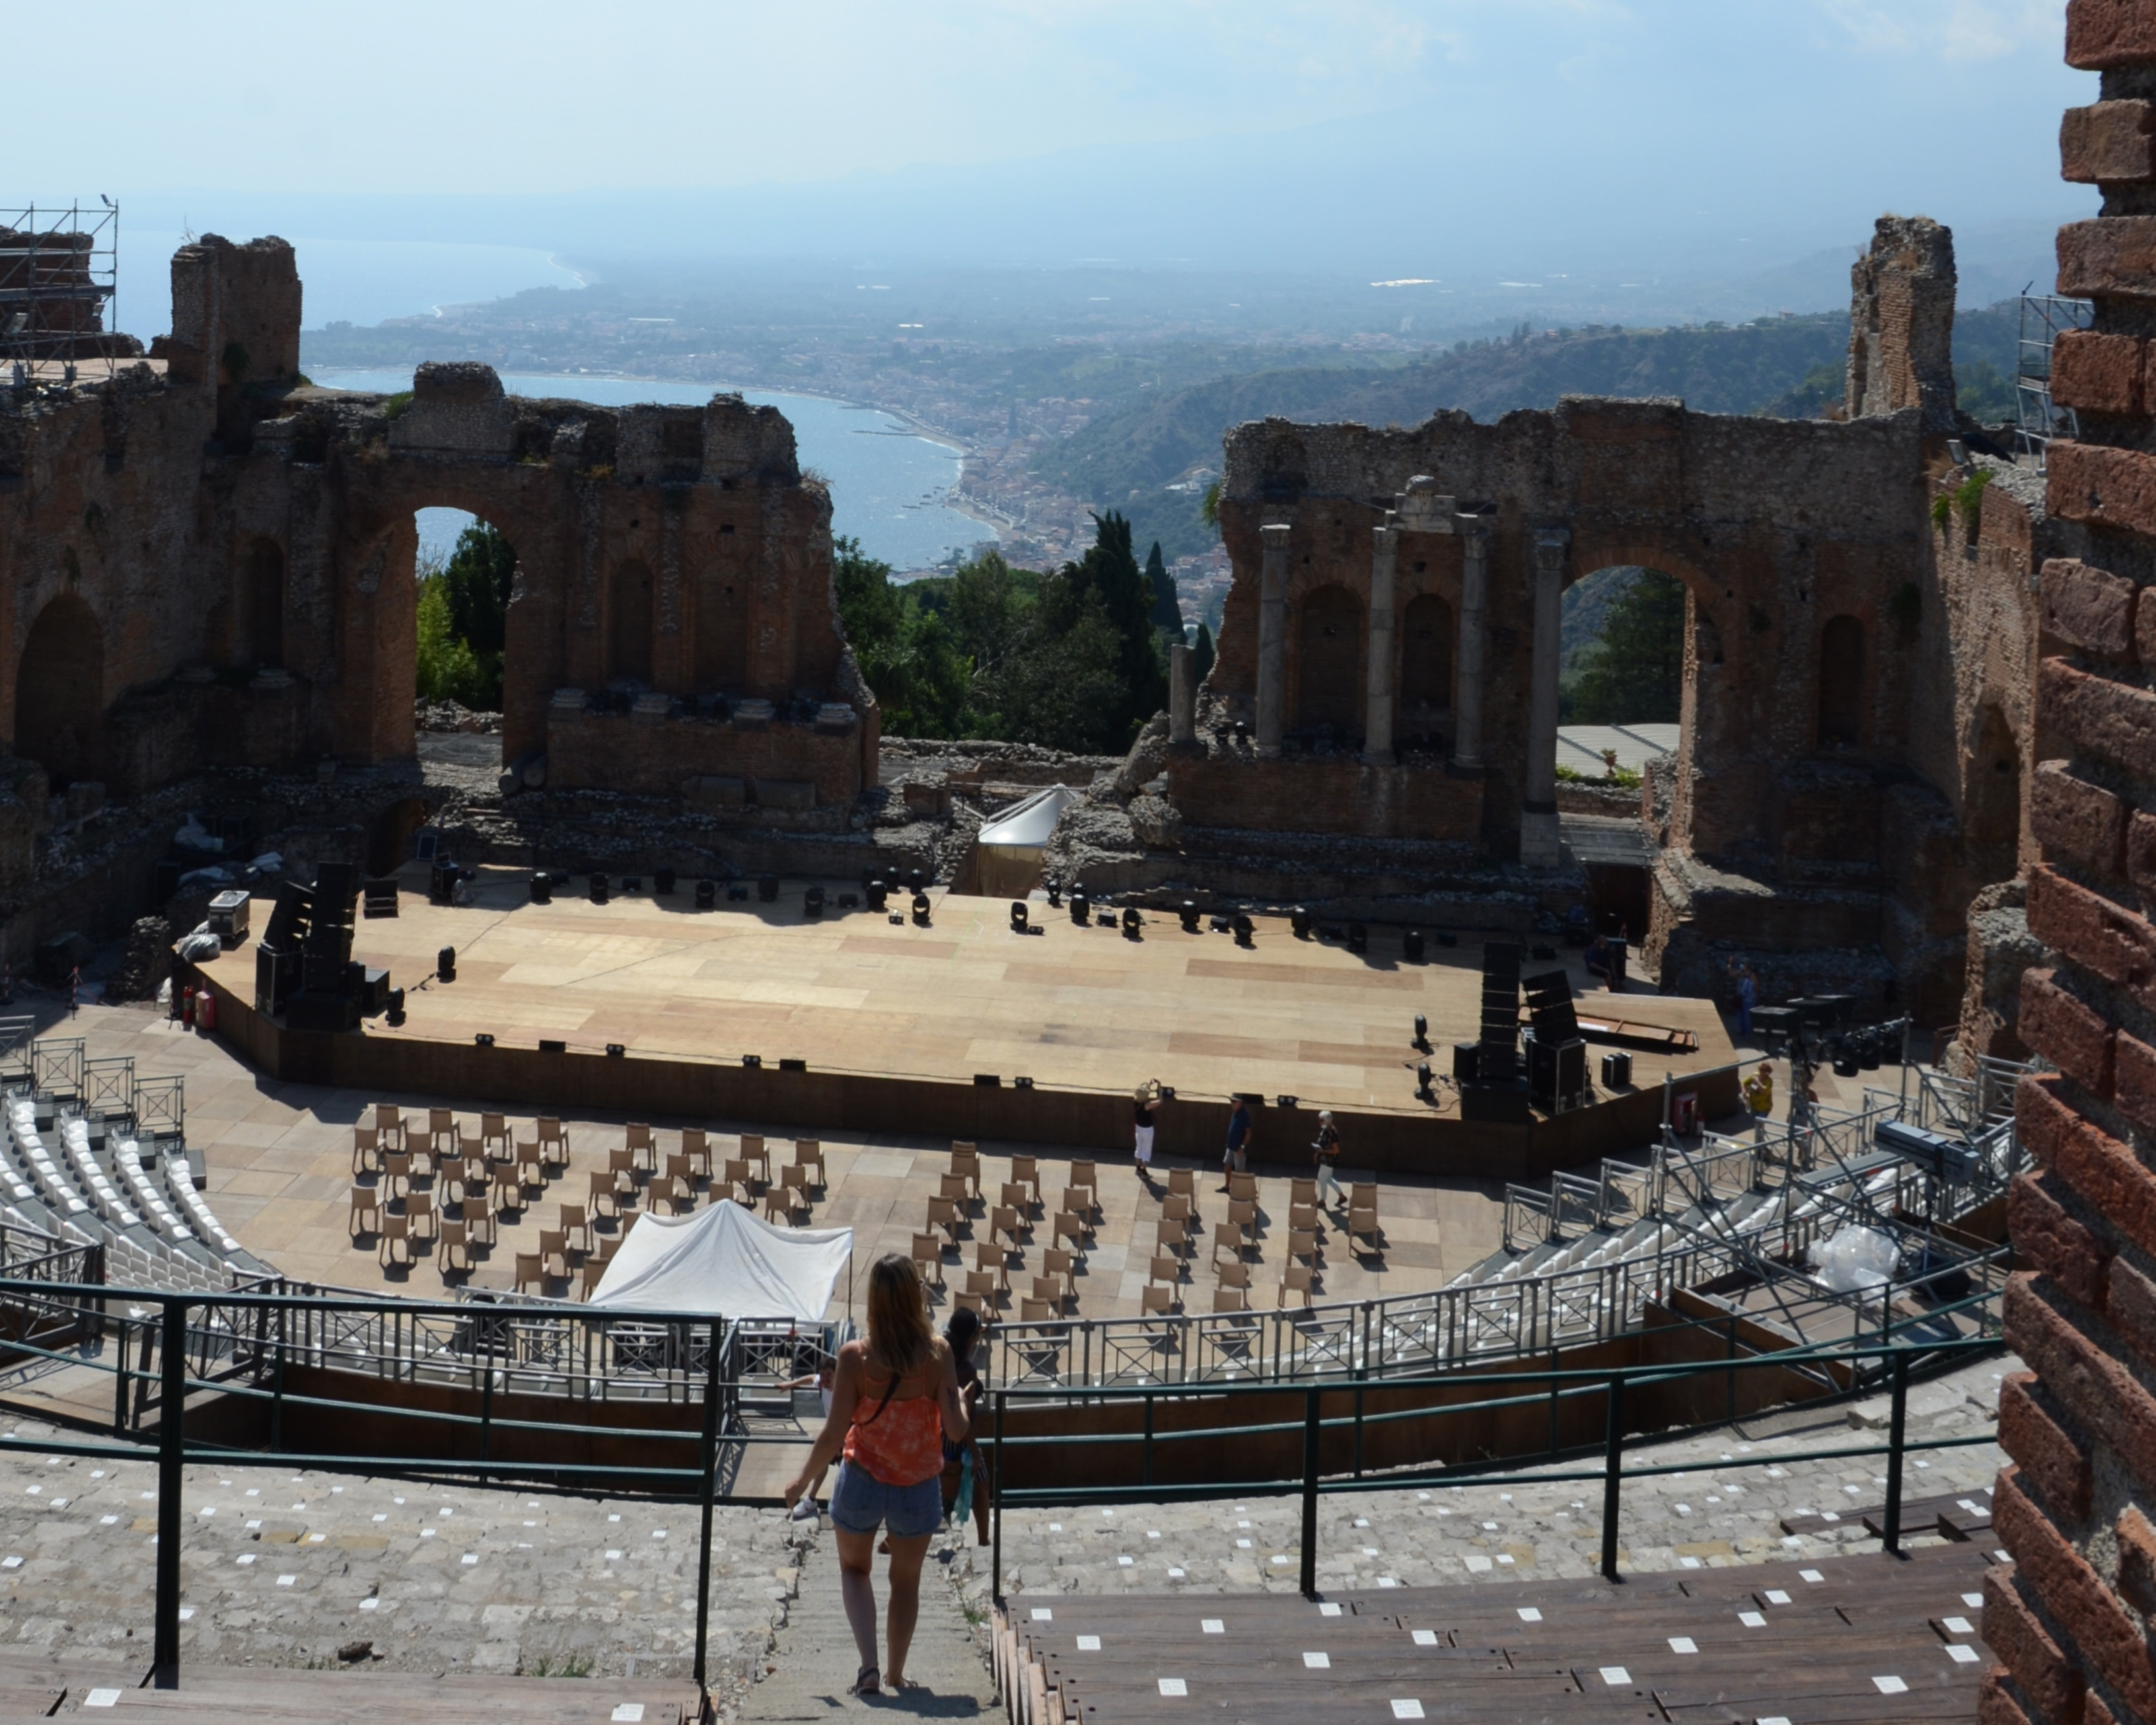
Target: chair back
x,y
621,1159
572,1219
1086,1173
1176,1207
528,1267
1242,1186
807,1151
1302,1191
1037,1311
1236,1274
751,1145
639,1135
1016,1193
397,1164
1363,1193
1027,1169
1157,1298
1057,1262
1183,1181
1166,1267
1004,1219
982,1282
475,1210
387,1119
943,1213
550,1130
493,1125
441,1120
1230,1300
693,1141
927,1248
677,1165
794,1179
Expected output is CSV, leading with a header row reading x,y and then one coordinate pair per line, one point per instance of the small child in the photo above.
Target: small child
x,y
820,1379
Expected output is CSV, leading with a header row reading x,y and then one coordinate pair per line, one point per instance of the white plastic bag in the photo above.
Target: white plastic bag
x,y
200,943
1856,1260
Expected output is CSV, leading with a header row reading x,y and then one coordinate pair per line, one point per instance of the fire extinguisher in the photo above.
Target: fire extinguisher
x,y
205,1012
187,1005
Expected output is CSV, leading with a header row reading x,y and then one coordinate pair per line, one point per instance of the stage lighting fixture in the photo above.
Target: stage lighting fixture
x,y
1055,892
1081,908
847,901
542,888
615,1051
898,919
915,879
396,1006
767,888
737,892
1189,914
1132,922
1244,931
1422,1032
1423,1090
878,891
662,880
812,902
1017,916
598,889
1022,1083
445,964
1285,1101
707,894
789,1064
1298,919
1411,946
753,1061
1358,937
484,1039
920,907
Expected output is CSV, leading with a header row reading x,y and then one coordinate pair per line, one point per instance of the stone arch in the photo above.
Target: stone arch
x,y
1428,643
60,693
1991,791
629,623
1329,636
265,604
1841,681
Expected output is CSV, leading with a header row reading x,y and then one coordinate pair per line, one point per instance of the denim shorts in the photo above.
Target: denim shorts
x,y
861,1503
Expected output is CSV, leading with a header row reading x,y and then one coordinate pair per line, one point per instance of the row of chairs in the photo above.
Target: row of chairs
x,y
989,1278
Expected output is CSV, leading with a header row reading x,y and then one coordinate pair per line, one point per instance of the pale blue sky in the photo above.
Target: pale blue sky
x,y
1388,134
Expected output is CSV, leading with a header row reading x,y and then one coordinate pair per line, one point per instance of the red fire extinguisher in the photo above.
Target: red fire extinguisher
x,y
187,1005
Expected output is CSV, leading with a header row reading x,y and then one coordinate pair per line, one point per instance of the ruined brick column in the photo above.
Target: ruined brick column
x,y
1538,829
1272,639
1377,721
1182,696
1474,597
2072,1618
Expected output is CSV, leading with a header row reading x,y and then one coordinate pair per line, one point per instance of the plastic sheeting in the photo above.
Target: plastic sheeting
x,y
1856,1260
1030,824
724,1261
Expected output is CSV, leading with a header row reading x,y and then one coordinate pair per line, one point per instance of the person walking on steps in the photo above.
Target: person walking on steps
x,y
965,1470
1325,1153
1235,1159
894,1405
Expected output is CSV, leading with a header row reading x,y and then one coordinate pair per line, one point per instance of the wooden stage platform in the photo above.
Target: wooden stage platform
x,y
896,1022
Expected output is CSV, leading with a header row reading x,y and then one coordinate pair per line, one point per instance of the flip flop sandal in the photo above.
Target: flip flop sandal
x,y
866,1682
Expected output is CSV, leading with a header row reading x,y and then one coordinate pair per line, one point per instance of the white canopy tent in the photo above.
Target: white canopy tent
x,y
1009,846
724,1261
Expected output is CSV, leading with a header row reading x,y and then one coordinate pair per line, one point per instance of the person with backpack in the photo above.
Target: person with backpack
x,y
1325,1153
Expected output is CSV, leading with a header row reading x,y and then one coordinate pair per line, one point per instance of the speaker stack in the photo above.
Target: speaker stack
x,y
334,992
1557,1058
1493,1093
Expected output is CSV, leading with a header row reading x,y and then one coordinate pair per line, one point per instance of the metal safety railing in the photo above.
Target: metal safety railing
x,y
1891,1361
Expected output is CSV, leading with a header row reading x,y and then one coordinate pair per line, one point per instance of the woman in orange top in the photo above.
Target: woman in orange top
x,y
894,1401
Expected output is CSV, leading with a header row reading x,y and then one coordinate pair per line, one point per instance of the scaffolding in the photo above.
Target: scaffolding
x,y
2044,317
60,277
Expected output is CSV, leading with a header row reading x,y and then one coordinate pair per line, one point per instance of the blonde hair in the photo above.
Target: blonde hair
x,y
900,1340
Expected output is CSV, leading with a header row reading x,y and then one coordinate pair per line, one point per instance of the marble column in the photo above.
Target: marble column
x,y
1474,600
1378,720
1272,639
1182,696
1539,842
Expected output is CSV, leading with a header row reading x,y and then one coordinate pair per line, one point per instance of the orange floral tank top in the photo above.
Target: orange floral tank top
x,y
901,1446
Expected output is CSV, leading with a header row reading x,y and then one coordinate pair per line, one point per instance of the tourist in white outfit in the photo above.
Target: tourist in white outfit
x,y
1146,1100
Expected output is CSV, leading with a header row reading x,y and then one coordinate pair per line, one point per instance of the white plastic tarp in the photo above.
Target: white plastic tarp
x,y
1030,824
724,1261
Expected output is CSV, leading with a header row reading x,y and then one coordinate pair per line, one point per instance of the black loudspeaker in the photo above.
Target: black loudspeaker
x,y
373,992
598,889
1411,946
812,902
767,888
1556,1076
1082,908
662,882
442,880
336,885
707,894
542,888
1617,1070
1549,1007
1495,1103
1190,915
1466,1062
289,919
445,964
277,975
393,1006
877,891
322,972
1298,919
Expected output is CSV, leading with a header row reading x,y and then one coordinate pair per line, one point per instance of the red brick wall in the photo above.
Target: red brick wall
x,y
2072,1618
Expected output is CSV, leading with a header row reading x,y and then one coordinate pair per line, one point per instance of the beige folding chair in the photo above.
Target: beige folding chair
x,y
1158,1299
965,1160
1078,1201
989,1256
1166,1267
1048,1291
752,1150
1072,1227
741,1176
985,1284
928,1257
366,1150
1233,1276
1298,1279
1303,1243
479,1220
451,1243
621,1168
1362,1195
643,1147
612,1244
1304,1216
1056,1262
680,1184
696,1146
786,1201
508,1189
602,1193
441,1123
1179,1210
1016,1195
1362,1212
576,1226
954,1187
593,1271
971,1302
795,1179
1038,1312
553,1138
494,1129
1025,1171
423,1160
1230,1300
1086,1176
1004,1219
1182,1182
944,1213
1243,1186
808,1153
531,1272
1171,1233
389,1125
531,1171
394,1235
1302,1191
1228,1234
366,1210
1243,1215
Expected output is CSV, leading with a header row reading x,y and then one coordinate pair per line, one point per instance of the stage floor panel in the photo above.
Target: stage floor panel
x,y
1072,1008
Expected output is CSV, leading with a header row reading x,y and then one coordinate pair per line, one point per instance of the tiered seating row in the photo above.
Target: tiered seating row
x,y
1847,1639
